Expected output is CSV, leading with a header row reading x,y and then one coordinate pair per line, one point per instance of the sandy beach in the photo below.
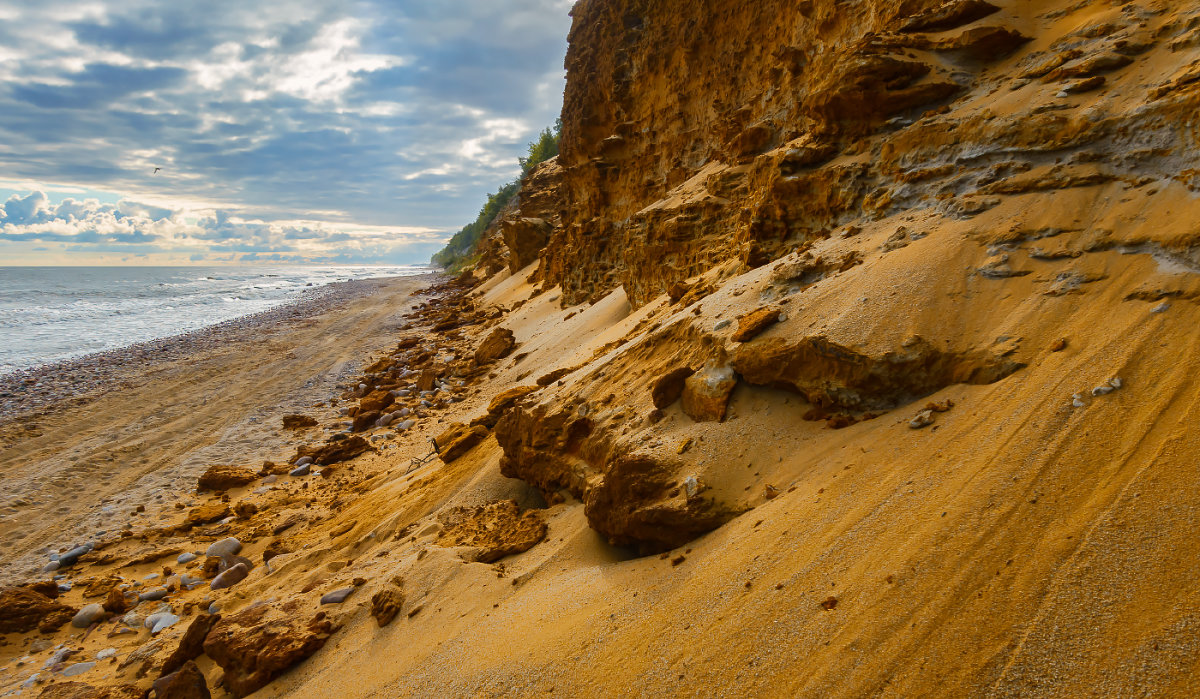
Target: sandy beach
x,y
91,437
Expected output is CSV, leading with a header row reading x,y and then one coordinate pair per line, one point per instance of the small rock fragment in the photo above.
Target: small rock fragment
x,y
337,596
925,418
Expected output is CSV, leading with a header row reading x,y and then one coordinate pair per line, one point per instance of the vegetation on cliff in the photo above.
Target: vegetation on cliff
x,y
461,252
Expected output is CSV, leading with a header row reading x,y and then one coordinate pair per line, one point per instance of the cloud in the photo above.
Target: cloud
x,y
376,113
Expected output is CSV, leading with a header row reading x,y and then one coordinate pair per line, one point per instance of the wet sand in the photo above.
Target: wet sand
x,y
84,441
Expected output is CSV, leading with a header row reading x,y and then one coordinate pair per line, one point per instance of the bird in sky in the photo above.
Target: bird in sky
x,y
156,170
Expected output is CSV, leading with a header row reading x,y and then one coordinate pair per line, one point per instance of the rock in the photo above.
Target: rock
x,y
925,418
524,238
191,645
106,654
458,439
300,471
69,558
376,402
386,604
88,615
210,512
220,478
337,596
23,609
706,393
667,388
161,620
336,451
406,425
153,594
829,603
115,603
638,503
245,510
81,690
365,421
754,323
253,651
185,683
186,557
949,15
501,403
298,422
494,530
498,345
304,461
77,669
230,577
225,547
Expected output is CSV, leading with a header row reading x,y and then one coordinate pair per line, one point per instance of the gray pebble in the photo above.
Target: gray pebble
x,y
153,594
1161,308
77,669
88,615
270,479
304,460
722,324
50,567
300,470
106,654
187,557
337,596
162,620
231,577
224,547
70,557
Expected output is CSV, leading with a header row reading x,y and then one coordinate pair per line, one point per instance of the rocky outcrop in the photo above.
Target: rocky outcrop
x,y
254,649
492,531
24,609
82,690
222,477
497,345
458,439
334,451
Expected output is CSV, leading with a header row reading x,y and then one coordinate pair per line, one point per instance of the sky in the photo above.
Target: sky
x,y
316,131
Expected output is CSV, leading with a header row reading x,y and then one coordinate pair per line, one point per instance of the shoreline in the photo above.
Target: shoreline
x,y
99,435
35,390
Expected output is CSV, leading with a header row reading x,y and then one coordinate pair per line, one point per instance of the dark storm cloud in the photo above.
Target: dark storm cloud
x,y
369,113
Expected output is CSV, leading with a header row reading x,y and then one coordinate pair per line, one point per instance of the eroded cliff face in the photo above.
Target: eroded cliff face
x,y
699,133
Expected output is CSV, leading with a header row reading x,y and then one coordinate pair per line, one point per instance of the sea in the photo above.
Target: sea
x,y
49,314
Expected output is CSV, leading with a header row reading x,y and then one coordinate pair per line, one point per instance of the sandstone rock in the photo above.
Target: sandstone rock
x,y
386,604
669,387
496,530
501,403
81,690
185,683
365,421
191,645
525,238
376,402
949,16
458,439
209,512
115,603
706,393
335,451
222,477
253,651
498,345
925,418
754,323
634,505
23,609
298,422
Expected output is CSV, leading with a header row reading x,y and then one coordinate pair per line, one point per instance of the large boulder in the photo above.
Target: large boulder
x,y
253,650
497,345
24,609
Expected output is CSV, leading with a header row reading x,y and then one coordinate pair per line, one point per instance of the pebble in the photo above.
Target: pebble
x,y
65,586
337,596
106,654
89,614
691,486
1077,400
924,418
77,669
151,576
31,681
406,425
187,557
189,582
300,471
270,479
722,324
1161,308
59,656
153,594
1102,390
304,461
405,412
133,619
162,620
225,547
214,608
230,577
50,567
70,557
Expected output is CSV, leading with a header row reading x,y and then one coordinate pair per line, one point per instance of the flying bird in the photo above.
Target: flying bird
x,y
156,170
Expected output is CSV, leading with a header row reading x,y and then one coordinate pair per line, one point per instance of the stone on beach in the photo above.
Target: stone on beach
x,y
337,596
230,577
225,547
222,477
23,609
88,615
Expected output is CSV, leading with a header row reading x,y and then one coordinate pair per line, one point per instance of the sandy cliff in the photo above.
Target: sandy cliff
x,y
847,349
